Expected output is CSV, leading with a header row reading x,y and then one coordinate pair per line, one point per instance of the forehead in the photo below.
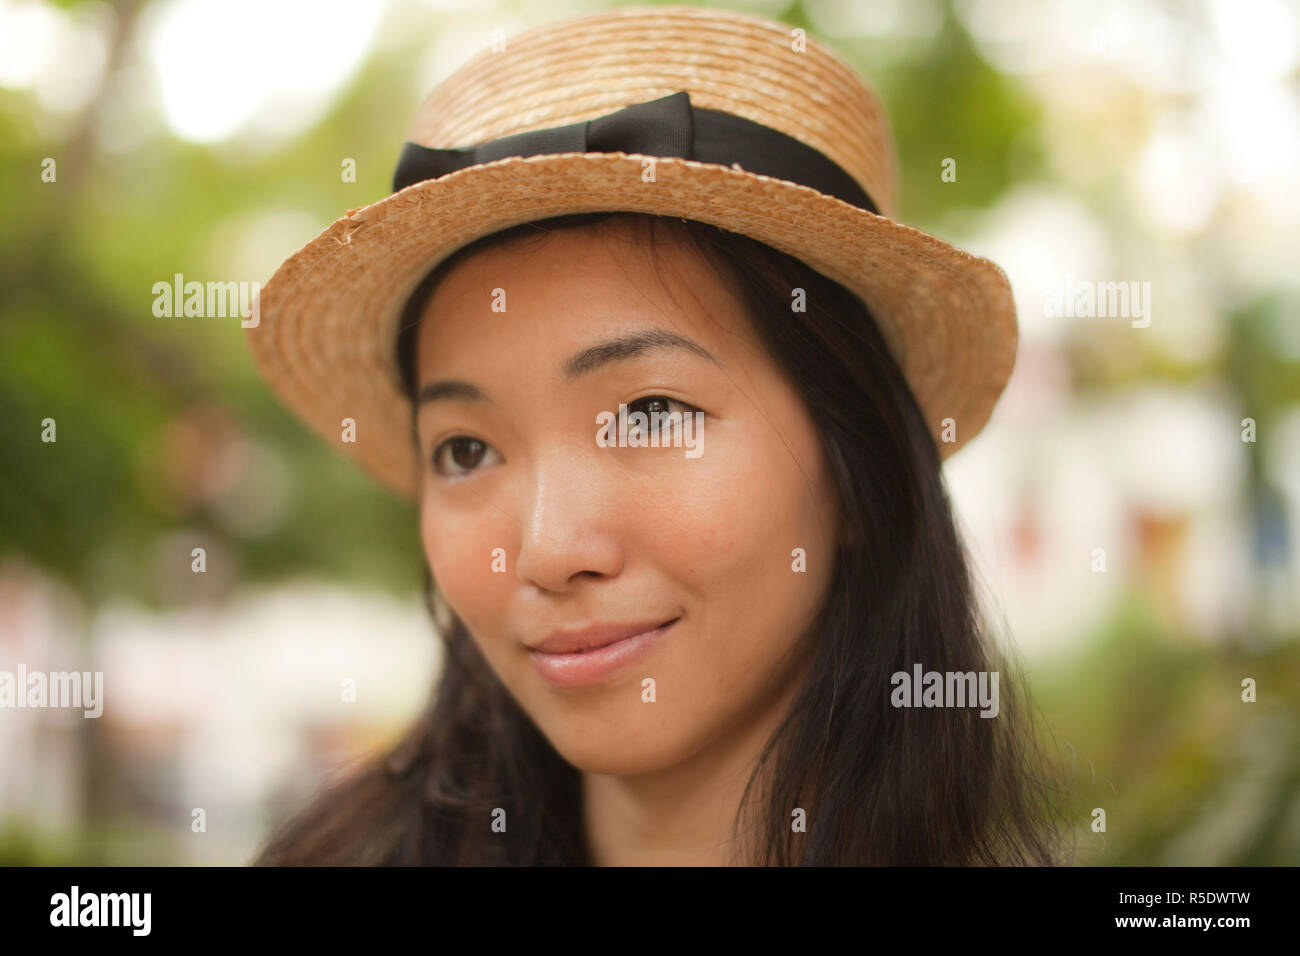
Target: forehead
x,y
564,288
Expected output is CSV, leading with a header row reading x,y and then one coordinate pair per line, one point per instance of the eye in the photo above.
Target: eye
x,y
653,405
465,453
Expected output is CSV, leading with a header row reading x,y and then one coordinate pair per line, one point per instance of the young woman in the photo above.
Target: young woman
x,y
686,535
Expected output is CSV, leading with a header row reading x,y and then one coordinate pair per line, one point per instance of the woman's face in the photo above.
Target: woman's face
x,y
532,526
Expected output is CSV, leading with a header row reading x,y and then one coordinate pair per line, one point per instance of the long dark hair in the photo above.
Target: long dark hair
x,y
880,784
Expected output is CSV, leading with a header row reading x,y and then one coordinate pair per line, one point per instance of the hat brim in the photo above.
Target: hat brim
x,y
327,319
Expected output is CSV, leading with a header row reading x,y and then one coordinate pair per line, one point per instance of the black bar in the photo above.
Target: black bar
x,y
213,905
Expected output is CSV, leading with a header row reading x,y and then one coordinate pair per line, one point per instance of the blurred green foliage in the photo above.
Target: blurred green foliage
x,y
1155,732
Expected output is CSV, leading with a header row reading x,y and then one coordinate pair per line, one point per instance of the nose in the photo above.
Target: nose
x,y
570,522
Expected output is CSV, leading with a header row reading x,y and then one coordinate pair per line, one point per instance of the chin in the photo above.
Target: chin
x,y
614,763
616,752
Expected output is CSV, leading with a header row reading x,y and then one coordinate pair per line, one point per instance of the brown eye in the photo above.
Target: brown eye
x,y
653,405
465,453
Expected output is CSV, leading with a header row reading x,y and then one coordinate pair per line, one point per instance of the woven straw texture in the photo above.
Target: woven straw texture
x,y
328,317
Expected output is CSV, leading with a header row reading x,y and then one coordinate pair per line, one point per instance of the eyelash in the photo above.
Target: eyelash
x,y
437,452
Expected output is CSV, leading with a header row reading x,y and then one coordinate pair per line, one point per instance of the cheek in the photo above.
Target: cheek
x,y
743,515
735,537
461,551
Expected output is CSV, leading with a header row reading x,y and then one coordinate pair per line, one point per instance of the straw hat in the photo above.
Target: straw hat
x,y
756,129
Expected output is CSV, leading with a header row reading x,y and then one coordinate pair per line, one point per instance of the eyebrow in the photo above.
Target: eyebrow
x,y
581,363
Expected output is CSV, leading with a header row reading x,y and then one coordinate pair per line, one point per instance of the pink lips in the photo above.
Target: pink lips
x,y
573,658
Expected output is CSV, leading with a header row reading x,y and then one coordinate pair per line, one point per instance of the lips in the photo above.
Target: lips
x,y
575,658
598,635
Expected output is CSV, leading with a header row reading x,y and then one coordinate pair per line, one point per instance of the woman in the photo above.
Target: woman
x,y
680,494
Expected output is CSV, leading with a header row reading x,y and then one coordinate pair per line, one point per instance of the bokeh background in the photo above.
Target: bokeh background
x,y
1092,141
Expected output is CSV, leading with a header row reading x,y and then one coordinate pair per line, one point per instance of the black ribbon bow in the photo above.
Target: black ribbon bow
x,y
669,126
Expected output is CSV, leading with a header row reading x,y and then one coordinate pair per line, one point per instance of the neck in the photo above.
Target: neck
x,y
683,815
